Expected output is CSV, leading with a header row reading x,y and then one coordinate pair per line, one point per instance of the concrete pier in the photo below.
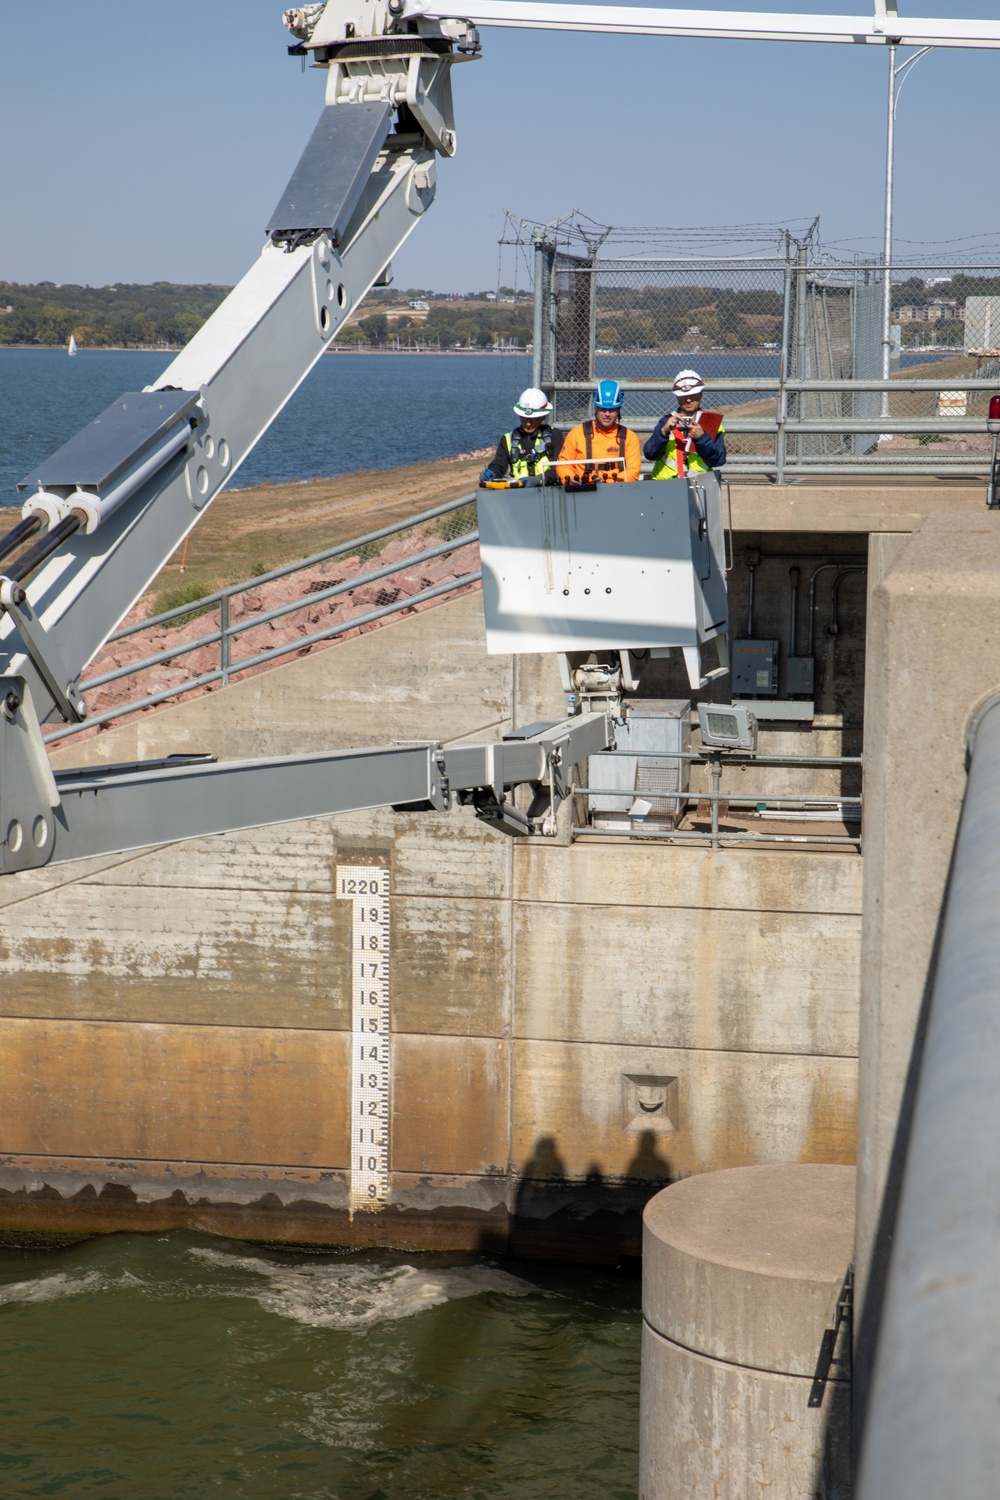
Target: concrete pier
x,y
175,1023
933,656
745,1388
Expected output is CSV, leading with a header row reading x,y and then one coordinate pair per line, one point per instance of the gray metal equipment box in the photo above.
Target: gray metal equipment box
x,y
627,566
800,674
755,667
646,766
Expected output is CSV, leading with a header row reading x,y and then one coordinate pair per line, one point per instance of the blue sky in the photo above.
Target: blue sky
x,y
150,141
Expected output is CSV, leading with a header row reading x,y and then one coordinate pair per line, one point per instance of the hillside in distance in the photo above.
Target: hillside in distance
x,y
121,317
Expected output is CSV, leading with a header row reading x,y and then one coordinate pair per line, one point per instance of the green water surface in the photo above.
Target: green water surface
x,y
173,1367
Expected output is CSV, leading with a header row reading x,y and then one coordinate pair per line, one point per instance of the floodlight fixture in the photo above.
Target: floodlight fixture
x,y
727,726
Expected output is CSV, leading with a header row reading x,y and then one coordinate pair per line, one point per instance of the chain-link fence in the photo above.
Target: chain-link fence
x,y
792,349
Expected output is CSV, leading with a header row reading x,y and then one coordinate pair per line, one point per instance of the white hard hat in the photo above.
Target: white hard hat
x,y
688,383
533,403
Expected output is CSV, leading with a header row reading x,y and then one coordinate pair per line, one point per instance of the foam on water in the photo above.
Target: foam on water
x,y
51,1288
352,1296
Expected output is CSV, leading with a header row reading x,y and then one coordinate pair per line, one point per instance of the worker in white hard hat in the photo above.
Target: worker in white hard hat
x,y
528,450
688,440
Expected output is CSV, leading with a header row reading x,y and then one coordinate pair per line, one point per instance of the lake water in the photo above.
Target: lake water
x,y
177,1367
354,411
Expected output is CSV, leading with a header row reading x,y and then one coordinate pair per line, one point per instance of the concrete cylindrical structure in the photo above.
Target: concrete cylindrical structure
x,y
744,1389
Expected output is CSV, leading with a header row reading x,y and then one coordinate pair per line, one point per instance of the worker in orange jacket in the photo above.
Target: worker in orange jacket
x,y
609,452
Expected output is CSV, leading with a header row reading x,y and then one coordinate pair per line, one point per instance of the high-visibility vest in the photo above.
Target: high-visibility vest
x,y
526,461
609,472
680,456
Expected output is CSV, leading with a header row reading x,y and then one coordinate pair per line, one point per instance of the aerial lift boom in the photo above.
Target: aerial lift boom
x,y
103,514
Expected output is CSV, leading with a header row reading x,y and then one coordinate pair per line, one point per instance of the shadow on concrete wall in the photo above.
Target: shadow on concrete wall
x,y
589,1218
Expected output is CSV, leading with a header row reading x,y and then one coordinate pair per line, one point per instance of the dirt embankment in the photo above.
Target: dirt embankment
x,y
251,532
248,532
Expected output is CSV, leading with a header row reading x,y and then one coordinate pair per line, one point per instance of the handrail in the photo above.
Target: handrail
x,y
769,383
326,555
932,1427
265,617
225,632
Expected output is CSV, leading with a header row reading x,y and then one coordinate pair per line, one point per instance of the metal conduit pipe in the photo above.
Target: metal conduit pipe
x,y
822,568
932,1425
18,534
45,546
793,614
834,626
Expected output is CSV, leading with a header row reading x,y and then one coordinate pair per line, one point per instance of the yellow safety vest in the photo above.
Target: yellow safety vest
x,y
524,462
667,467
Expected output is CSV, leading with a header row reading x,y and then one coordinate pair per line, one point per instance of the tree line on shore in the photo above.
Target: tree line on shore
x,y
131,315
124,316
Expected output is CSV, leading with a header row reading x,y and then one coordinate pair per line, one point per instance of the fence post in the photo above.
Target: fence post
x,y
592,324
780,438
801,369
224,639
539,317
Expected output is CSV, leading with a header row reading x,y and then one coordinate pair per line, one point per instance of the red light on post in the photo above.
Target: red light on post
x,y
993,415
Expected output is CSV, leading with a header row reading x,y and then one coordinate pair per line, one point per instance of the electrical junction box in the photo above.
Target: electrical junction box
x,y
800,674
645,770
755,667
626,566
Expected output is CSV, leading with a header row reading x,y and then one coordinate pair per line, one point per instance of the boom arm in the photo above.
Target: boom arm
x,y
117,500
49,819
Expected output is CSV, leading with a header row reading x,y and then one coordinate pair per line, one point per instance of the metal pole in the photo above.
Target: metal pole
x,y
716,787
781,440
539,320
592,320
932,1427
802,370
225,640
890,146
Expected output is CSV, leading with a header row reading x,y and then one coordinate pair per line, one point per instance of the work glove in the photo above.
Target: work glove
x,y
487,476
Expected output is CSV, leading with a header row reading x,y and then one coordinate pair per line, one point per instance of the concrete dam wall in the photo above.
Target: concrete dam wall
x,y
572,1027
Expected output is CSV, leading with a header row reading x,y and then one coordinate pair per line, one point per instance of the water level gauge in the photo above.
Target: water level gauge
x,y
367,888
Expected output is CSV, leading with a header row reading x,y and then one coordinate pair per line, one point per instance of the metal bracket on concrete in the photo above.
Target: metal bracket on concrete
x,y
843,1317
43,652
28,795
541,757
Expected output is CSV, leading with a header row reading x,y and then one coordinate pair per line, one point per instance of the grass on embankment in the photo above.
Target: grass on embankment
x,y
248,532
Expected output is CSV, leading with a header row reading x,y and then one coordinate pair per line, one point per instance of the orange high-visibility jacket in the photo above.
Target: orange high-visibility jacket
x,y
588,443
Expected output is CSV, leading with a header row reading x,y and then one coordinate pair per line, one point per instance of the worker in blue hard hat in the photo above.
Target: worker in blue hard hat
x,y
608,452
528,450
688,440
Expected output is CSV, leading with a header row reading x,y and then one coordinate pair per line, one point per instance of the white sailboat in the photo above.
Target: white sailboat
x,y
72,345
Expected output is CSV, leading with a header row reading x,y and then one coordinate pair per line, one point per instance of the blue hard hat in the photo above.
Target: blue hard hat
x,y
608,396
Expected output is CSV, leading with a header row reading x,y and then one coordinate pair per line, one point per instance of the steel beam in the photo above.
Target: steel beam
x,y
109,813
880,28
109,810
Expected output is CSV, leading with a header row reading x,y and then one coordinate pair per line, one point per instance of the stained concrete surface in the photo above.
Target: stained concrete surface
x,y
174,1022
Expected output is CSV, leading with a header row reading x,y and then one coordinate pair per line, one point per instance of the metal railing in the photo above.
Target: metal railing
x,y
790,348
228,631
715,836
931,1426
